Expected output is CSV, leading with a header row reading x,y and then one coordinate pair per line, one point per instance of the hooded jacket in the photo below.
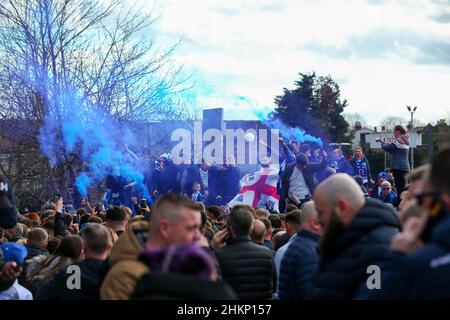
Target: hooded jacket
x,y
124,267
365,242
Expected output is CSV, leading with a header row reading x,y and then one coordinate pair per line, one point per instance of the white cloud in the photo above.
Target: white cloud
x,y
255,48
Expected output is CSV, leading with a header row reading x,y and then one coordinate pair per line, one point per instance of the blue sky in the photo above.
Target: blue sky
x,y
242,53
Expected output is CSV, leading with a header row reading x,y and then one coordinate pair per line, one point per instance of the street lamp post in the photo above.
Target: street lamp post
x,y
411,111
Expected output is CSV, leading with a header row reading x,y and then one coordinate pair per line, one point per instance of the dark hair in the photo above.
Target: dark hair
x,y
440,171
240,220
275,221
293,217
95,219
116,213
96,237
400,129
70,247
81,212
359,180
291,207
195,182
301,158
215,211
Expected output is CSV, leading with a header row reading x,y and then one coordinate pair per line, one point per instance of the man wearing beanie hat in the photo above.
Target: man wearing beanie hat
x,y
8,212
14,254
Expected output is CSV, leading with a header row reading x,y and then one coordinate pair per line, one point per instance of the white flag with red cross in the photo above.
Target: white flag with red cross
x,y
259,190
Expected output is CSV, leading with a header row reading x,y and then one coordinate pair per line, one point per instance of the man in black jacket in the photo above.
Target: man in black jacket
x,y
228,181
419,266
246,267
299,182
356,236
96,245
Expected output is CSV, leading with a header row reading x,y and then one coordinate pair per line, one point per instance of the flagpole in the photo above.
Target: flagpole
x,y
271,149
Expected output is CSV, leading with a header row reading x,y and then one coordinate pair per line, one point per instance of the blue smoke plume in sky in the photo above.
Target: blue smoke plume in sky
x,y
286,131
73,129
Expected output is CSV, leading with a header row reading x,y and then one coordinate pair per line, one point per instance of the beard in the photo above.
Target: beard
x,y
335,229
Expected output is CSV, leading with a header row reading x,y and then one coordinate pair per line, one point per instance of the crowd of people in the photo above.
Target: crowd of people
x,y
336,222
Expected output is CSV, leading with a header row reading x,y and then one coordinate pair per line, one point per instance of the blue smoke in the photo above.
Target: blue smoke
x,y
286,131
73,128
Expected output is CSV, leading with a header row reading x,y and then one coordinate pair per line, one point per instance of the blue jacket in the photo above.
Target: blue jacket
x,y
344,166
391,198
298,266
423,274
343,263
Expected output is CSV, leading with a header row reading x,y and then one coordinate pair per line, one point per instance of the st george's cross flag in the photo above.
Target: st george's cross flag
x,y
259,190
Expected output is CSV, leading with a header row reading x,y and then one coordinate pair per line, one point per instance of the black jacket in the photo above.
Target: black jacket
x,y
228,183
343,265
248,268
56,287
168,180
308,175
173,286
35,250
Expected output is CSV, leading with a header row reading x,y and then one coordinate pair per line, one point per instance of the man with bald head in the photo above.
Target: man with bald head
x,y
356,235
300,261
258,232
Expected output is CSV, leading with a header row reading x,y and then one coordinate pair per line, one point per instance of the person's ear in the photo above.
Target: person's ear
x,y
315,225
164,228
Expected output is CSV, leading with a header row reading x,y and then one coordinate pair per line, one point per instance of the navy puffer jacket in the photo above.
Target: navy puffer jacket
x,y
343,265
298,266
421,275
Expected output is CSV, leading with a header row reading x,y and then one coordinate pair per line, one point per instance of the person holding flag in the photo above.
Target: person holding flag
x,y
259,189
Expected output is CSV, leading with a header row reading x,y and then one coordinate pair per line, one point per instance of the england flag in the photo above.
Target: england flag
x,y
259,190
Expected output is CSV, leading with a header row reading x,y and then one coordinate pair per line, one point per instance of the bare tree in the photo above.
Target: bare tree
x,y
66,58
390,122
355,119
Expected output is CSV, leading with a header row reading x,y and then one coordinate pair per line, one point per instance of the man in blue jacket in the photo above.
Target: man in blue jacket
x,y
300,261
357,234
342,164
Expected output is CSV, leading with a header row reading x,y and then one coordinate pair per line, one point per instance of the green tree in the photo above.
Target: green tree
x,y
314,105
